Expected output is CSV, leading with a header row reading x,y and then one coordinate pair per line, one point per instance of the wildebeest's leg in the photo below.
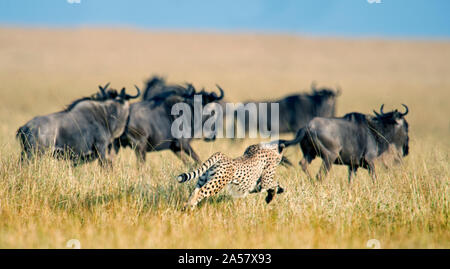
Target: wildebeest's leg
x,y
140,150
328,158
113,149
176,149
323,171
371,168
180,147
189,151
140,155
110,154
116,145
25,157
106,163
304,163
103,157
351,172
77,159
327,161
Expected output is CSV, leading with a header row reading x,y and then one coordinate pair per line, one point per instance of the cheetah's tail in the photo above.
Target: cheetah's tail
x,y
205,166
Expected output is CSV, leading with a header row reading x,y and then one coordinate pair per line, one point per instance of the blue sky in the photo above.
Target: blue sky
x,y
354,18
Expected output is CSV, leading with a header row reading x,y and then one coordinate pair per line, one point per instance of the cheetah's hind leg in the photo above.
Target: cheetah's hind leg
x,y
258,187
211,187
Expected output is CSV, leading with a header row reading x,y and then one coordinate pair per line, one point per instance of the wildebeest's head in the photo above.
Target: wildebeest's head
x,y
396,127
119,107
325,99
112,94
209,97
189,95
116,104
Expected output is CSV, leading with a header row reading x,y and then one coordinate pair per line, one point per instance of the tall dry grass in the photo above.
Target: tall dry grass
x,y
48,202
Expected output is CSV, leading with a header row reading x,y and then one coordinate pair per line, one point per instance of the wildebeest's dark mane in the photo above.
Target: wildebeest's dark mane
x,y
316,95
324,92
151,83
111,94
76,102
356,117
154,80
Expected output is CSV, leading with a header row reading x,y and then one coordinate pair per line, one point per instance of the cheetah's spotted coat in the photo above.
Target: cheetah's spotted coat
x,y
252,172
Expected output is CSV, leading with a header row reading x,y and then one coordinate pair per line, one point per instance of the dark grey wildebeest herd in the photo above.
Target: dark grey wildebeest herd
x,y
98,126
145,134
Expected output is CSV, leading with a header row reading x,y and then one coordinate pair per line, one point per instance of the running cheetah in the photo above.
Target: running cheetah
x,y
252,172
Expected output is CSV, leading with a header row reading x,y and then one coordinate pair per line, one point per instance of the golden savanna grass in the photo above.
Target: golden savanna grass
x,y
48,202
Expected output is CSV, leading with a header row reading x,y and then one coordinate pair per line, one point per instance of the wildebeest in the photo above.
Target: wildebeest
x,y
149,127
355,140
157,86
295,111
82,132
393,154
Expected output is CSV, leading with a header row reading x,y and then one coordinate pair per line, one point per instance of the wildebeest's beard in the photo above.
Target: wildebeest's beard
x,y
393,128
406,147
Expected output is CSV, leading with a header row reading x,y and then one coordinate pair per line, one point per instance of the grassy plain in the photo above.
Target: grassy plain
x,y
48,202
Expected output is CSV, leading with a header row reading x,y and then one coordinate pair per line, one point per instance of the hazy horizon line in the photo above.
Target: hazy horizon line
x,y
205,30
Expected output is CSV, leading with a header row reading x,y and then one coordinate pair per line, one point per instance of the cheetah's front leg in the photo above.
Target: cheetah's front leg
x,y
270,185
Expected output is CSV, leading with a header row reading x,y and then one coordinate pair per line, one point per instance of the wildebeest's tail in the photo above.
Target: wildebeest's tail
x,y
205,166
298,137
287,143
23,135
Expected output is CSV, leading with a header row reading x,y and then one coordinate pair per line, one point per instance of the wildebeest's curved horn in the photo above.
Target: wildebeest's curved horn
x,y
122,93
221,93
126,96
381,109
102,89
376,113
407,110
137,94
